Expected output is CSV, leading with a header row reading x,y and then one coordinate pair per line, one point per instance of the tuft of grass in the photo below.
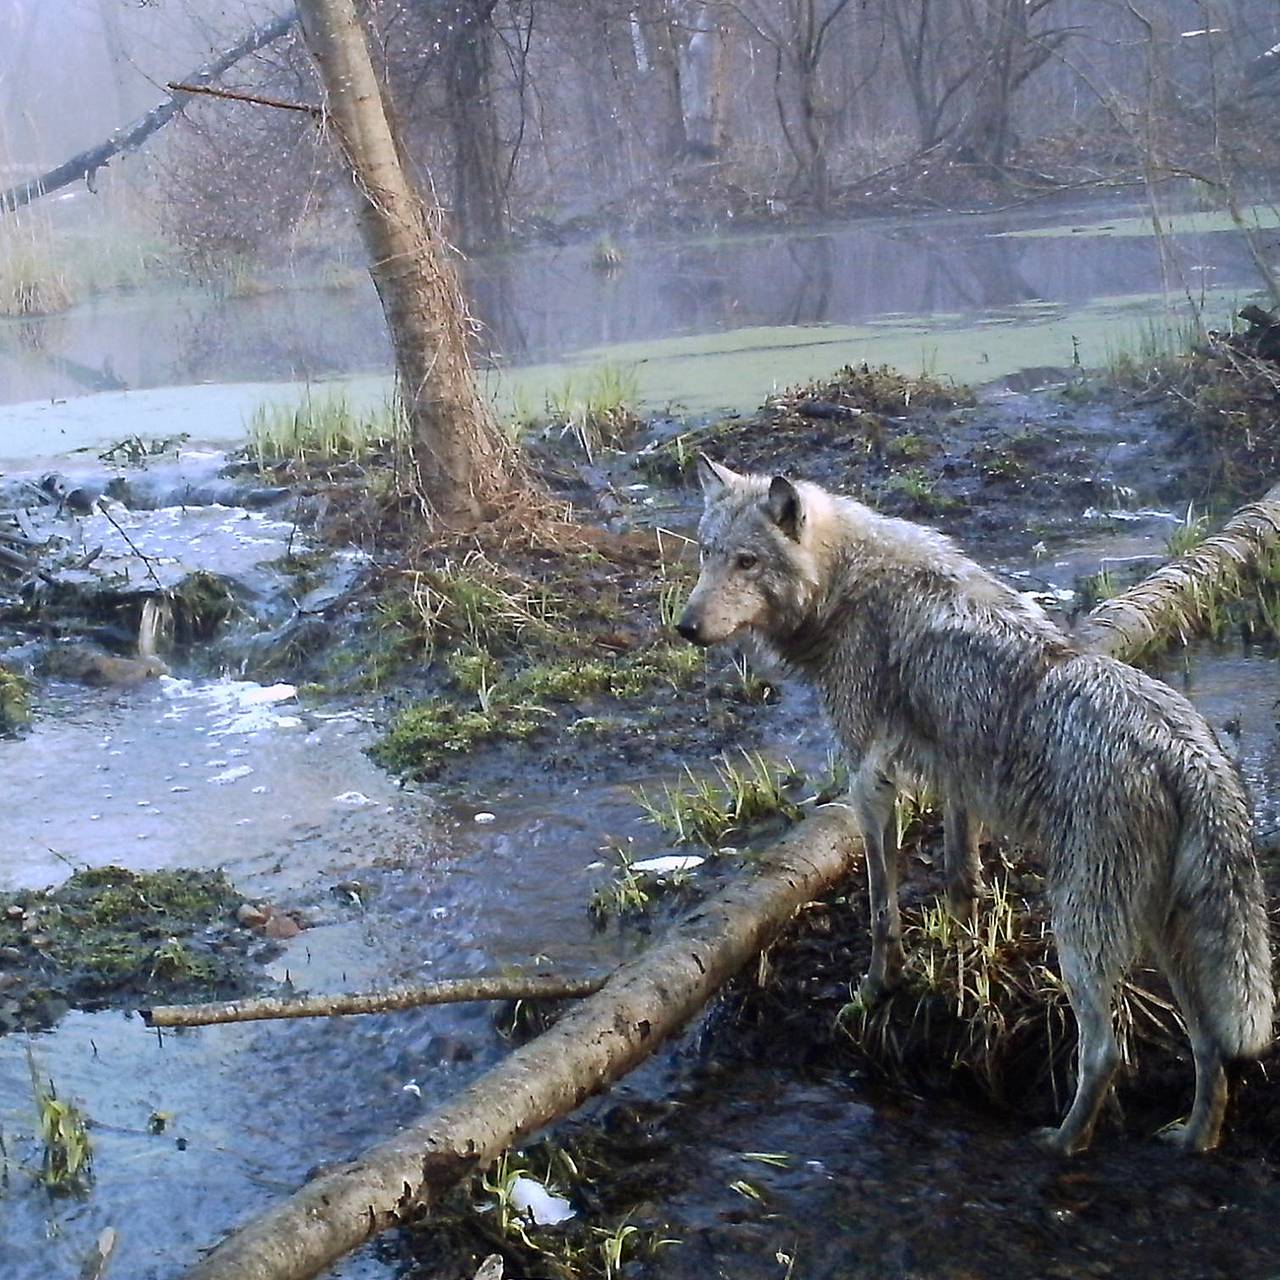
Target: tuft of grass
x,y
985,999
574,1250
67,1163
915,484
1152,344
34,279
322,429
625,893
599,409
1094,588
733,801
477,604
1189,532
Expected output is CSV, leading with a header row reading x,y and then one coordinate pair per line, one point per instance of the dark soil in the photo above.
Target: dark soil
x,y
1003,471
938,1179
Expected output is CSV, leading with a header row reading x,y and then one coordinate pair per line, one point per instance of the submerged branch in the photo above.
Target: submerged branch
x,y
596,1043
501,986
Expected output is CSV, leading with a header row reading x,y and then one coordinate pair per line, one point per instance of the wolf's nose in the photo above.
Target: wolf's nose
x,y
689,630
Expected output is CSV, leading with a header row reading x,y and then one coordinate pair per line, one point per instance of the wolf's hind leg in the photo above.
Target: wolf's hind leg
x,y
873,794
1091,985
961,857
1202,1128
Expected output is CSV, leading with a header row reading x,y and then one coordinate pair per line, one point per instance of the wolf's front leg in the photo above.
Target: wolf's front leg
x,y
961,857
872,794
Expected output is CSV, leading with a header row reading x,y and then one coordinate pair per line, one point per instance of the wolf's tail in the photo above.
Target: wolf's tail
x,y
1221,937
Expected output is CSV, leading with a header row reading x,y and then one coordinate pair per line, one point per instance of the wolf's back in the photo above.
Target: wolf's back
x,y
1221,929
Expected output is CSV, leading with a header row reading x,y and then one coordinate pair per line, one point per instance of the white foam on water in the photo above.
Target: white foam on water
x,y
232,706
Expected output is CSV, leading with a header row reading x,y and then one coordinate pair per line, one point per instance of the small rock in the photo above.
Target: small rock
x,y
484,817
10,955
252,917
14,911
281,927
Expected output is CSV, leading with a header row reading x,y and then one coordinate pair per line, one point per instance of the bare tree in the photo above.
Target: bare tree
x,y
464,466
964,60
797,31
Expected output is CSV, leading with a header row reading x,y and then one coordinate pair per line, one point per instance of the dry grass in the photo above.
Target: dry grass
x,y
985,1000
33,280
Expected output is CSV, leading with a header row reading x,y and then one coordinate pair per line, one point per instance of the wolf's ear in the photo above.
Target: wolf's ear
x,y
714,478
784,506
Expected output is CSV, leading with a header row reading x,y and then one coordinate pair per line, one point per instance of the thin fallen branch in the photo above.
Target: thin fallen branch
x,y
1169,603
86,164
255,98
650,997
499,986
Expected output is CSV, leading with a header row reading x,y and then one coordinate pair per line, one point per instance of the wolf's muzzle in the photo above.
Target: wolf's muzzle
x,y
690,631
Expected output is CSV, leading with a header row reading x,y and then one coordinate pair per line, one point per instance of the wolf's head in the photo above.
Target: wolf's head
x,y
761,556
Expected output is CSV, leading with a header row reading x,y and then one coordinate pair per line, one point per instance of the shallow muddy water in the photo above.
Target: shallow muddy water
x,y
398,883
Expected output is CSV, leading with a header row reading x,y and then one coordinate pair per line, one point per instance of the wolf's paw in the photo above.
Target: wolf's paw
x,y
1183,1138
1054,1141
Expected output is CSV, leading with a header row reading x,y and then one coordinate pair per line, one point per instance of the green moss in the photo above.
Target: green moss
x,y
108,929
422,737
910,448
15,693
201,603
426,735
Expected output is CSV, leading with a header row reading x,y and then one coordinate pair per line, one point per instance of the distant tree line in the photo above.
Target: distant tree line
x,y
532,114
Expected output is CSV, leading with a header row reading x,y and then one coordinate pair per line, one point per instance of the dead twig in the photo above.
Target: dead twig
x,y
258,100
502,986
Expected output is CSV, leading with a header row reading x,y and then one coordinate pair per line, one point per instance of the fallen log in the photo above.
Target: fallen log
x,y
499,986
654,995
84,165
1166,605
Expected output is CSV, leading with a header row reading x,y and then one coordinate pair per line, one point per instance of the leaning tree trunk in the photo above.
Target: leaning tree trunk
x,y
655,994
464,467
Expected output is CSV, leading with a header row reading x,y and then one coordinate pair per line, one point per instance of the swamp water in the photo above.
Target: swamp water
x,y
206,770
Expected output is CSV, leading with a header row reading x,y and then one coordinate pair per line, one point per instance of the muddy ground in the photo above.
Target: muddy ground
x,y
782,1135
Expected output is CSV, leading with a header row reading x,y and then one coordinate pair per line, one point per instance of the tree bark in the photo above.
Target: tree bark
x,y
87,163
465,470
652,996
479,194
512,986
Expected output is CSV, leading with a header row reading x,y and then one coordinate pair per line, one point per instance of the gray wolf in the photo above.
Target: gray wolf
x,y
929,666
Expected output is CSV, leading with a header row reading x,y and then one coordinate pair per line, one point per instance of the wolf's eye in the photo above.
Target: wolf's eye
x,y
746,560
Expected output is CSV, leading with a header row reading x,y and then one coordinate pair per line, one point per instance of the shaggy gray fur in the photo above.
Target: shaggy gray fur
x,y
929,665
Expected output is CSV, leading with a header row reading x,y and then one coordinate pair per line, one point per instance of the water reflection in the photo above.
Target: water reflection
x,y
537,305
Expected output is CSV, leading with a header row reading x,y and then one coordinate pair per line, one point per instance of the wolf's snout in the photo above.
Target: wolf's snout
x,y
688,627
